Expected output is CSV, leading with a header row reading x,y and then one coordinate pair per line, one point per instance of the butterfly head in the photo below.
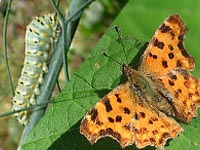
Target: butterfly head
x,y
126,70
136,79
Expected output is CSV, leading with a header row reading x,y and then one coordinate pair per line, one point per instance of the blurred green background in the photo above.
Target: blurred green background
x,y
140,18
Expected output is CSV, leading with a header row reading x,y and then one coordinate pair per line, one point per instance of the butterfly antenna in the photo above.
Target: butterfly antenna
x,y
117,29
112,59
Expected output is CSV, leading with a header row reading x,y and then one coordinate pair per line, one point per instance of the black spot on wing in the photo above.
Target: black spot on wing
x,y
107,104
118,118
171,83
170,47
118,98
165,29
155,132
179,63
157,43
153,56
171,55
150,121
127,110
111,120
164,64
142,114
174,77
94,114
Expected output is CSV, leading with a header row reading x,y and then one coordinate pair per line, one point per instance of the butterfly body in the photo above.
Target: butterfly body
x,y
150,90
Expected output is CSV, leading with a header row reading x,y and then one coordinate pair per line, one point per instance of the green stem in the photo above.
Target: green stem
x,y
64,28
5,46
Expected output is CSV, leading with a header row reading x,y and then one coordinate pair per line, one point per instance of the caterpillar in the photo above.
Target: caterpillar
x,y
41,34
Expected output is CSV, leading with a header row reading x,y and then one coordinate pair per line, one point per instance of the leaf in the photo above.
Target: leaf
x,y
96,76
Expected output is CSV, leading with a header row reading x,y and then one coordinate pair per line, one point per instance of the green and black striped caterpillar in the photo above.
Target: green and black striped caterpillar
x,y
41,34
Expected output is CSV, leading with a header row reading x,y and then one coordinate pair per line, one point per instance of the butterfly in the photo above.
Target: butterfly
x,y
142,110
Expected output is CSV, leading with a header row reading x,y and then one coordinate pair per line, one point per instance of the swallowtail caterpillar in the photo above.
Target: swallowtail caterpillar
x,y
41,34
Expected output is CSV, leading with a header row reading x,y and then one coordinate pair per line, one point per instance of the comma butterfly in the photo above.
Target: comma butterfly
x,y
139,111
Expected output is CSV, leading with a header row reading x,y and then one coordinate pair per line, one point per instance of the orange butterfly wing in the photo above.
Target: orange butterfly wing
x,y
185,89
166,50
121,116
167,59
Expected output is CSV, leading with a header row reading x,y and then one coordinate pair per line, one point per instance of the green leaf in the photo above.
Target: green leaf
x,y
96,76
59,128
